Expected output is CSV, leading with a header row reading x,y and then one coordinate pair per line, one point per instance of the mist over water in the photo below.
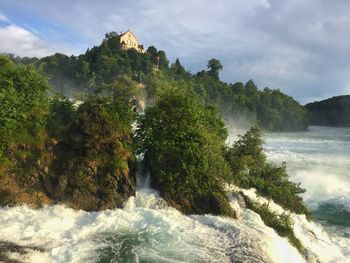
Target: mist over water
x,y
320,160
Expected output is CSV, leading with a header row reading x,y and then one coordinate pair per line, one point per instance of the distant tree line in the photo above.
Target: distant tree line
x,y
334,111
102,65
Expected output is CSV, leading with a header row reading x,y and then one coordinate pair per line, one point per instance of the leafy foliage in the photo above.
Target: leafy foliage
x,y
61,114
23,101
23,97
334,111
182,142
52,150
271,109
94,160
103,64
214,66
250,169
23,114
99,66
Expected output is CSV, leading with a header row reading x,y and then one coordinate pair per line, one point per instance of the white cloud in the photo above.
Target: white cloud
x,y
298,46
21,42
3,18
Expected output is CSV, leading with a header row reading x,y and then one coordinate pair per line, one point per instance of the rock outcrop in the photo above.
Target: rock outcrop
x,y
90,166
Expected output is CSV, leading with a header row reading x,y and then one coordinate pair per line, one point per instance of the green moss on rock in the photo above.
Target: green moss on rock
x,y
281,223
94,161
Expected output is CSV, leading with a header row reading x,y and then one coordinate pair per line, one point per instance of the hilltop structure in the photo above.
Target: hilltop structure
x,y
128,40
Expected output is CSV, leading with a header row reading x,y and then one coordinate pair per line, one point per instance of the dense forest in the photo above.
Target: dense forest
x,y
334,111
100,66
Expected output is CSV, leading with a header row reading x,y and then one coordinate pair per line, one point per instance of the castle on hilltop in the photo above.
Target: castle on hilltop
x,y
128,40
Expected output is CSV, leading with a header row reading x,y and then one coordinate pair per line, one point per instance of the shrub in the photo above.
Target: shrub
x,y
250,169
60,116
182,142
23,99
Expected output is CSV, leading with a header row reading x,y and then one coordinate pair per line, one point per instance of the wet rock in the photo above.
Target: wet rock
x,y
89,166
94,164
239,197
6,248
311,257
215,203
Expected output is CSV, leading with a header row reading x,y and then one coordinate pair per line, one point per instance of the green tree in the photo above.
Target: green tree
x,y
179,71
250,169
101,66
214,67
23,100
23,116
61,115
182,142
334,111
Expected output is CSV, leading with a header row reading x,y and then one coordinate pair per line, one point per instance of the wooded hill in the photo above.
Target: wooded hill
x,y
334,111
102,65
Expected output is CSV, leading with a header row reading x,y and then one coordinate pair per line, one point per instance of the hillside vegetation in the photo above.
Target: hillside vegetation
x,y
66,152
334,111
101,65
54,150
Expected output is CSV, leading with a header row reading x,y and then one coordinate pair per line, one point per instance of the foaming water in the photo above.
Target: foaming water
x,y
320,160
146,230
328,248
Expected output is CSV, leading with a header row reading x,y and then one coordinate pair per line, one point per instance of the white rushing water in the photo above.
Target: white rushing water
x,y
144,231
147,230
320,160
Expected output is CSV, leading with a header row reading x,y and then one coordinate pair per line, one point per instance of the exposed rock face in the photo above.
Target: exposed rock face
x,y
7,248
311,257
93,163
240,198
215,203
21,174
90,168
12,193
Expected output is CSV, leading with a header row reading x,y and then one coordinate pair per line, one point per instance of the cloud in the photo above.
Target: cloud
x,y
3,18
300,47
22,42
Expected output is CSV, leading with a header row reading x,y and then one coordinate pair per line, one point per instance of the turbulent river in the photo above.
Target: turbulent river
x,y
146,230
320,160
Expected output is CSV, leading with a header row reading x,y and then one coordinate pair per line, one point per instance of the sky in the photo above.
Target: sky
x,y
300,47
